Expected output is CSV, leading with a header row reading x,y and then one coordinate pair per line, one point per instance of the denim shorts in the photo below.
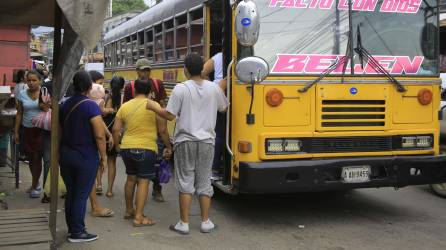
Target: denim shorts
x,y
139,162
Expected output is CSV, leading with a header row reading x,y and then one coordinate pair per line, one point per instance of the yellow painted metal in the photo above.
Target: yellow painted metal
x,y
299,104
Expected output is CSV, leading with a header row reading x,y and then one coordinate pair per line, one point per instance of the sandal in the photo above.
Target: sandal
x,y
109,194
146,222
129,216
105,212
99,190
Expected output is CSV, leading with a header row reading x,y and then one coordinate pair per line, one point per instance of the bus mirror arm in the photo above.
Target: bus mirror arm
x,y
228,113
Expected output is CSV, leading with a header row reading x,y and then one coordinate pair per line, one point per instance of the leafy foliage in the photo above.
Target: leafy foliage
x,y
124,6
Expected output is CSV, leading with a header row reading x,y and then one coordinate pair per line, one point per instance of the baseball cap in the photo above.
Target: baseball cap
x,y
143,64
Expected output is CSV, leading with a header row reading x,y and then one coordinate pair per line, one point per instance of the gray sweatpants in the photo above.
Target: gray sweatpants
x,y
193,168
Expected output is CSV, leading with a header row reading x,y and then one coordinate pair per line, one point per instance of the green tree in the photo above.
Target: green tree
x,y
124,6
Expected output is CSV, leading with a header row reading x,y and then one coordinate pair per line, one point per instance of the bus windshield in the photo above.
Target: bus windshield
x,y
305,37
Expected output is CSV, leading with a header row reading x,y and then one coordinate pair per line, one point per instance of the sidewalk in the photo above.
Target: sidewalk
x,y
115,232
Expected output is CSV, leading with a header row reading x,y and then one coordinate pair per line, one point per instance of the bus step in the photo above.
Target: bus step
x,y
227,189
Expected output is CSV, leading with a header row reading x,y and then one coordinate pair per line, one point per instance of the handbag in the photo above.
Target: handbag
x,y
164,172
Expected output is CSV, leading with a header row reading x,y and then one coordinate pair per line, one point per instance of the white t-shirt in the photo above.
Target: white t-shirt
x,y
196,105
218,67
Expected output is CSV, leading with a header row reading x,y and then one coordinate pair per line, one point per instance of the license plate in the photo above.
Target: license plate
x,y
356,174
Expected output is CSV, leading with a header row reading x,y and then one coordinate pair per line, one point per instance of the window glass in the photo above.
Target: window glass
x,y
159,43
303,37
196,31
149,48
181,43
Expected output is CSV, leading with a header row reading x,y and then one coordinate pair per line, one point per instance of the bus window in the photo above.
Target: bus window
x,y
196,31
107,56
141,42
128,51
149,45
134,57
169,40
123,52
181,42
113,54
158,43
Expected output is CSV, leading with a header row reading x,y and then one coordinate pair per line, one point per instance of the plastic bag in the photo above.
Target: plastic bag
x,y
47,188
43,120
164,172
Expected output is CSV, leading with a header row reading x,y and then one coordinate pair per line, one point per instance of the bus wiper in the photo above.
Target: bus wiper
x,y
326,72
343,61
363,53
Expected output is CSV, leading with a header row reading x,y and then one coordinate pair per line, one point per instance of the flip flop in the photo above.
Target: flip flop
x,y
99,190
129,216
172,228
142,224
106,212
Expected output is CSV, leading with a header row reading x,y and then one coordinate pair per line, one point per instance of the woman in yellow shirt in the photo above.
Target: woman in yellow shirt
x,y
138,149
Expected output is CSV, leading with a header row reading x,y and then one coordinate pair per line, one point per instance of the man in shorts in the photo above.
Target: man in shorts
x,y
195,105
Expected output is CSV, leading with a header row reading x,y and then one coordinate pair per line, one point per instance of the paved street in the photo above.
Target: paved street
x,y
411,218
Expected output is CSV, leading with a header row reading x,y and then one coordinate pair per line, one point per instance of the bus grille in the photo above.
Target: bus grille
x,y
353,113
351,144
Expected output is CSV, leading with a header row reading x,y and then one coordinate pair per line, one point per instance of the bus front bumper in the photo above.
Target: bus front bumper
x,y
326,174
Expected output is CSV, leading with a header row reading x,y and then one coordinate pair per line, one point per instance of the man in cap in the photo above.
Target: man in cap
x,y
158,94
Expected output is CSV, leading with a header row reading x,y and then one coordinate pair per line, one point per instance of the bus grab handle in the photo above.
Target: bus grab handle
x,y
228,113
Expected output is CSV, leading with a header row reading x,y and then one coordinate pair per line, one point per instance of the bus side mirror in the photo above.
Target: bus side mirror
x,y
247,23
251,70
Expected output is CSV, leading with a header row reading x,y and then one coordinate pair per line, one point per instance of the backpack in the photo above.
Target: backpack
x,y
155,85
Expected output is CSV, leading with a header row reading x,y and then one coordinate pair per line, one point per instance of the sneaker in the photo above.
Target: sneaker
x,y
35,193
83,237
180,227
207,226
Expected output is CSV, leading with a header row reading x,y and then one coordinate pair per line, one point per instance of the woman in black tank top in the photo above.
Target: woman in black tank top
x,y
113,100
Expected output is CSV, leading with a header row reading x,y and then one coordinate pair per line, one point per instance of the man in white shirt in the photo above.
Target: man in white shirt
x,y
215,64
194,104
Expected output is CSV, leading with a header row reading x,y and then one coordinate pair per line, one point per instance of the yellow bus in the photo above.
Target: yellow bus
x,y
343,94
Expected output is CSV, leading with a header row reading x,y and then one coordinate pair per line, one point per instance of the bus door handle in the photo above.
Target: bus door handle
x,y
228,112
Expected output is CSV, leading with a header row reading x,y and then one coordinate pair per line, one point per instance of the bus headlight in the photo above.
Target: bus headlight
x,y
408,142
283,146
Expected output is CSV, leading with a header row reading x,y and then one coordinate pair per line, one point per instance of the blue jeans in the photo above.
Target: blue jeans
x,y
140,162
79,174
219,141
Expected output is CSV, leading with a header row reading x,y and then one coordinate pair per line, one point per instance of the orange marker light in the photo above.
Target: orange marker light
x,y
274,97
425,96
244,147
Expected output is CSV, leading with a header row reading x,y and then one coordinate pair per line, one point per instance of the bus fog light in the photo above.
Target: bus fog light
x,y
424,142
283,146
409,142
274,146
417,141
293,145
